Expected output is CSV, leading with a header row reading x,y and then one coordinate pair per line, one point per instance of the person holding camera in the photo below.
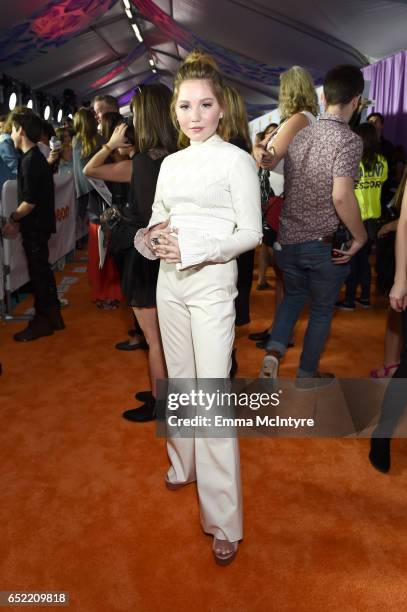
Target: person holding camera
x,y
60,157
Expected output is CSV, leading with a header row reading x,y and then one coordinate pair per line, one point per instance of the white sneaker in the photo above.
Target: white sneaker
x,y
269,368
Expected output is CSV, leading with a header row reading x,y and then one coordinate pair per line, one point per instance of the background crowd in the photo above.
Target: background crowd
x,y
352,178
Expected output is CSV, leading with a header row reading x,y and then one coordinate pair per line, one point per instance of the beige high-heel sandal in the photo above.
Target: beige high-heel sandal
x,y
224,551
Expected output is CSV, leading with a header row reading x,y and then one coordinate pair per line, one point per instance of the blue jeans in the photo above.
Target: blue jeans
x,y
309,276
360,273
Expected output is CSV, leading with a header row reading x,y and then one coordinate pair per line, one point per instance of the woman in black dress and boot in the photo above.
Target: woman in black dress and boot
x,y
395,398
237,133
154,138
120,199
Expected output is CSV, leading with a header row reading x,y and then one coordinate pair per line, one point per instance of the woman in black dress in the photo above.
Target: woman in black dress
x,y
155,138
394,401
120,200
237,133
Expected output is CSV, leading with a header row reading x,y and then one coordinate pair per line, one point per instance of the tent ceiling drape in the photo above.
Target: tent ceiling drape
x,y
90,47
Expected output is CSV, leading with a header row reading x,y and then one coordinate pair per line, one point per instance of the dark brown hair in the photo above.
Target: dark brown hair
x,y
342,84
271,127
371,146
152,121
31,124
110,121
235,118
17,111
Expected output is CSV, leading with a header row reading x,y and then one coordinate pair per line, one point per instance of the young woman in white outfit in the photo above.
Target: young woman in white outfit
x,y
206,212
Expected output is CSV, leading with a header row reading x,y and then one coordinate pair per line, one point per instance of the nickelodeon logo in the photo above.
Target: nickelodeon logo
x,y
62,213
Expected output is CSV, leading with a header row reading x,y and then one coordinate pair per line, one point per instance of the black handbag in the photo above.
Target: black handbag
x,y
120,229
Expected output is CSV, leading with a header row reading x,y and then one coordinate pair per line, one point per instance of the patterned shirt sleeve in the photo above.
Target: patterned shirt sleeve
x,y
347,160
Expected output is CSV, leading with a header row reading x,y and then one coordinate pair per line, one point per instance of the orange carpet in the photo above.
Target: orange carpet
x,y
83,504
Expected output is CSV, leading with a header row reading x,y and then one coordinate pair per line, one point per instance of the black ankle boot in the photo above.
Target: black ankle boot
x,y
143,396
54,317
379,455
39,326
145,413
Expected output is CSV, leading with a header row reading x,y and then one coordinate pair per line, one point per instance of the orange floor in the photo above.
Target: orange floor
x,y
84,510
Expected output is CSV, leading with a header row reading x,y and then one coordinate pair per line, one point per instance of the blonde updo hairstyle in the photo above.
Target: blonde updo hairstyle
x,y
198,66
297,93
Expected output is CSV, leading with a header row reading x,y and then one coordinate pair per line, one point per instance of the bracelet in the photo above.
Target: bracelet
x,y
106,146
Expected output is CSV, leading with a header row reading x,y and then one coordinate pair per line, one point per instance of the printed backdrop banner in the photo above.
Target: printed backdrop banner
x,y
61,243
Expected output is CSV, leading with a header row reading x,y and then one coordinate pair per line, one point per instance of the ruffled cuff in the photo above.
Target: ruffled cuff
x,y
193,251
141,245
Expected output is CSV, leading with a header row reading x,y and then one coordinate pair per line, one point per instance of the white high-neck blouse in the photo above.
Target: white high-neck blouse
x,y
210,192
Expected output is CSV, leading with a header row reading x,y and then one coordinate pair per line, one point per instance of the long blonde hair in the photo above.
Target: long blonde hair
x,y
86,129
297,93
198,65
235,118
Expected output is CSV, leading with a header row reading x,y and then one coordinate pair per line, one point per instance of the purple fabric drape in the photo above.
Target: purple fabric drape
x,y
388,88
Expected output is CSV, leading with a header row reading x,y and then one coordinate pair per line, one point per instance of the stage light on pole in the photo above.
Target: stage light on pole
x,y
59,116
12,102
30,103
47,112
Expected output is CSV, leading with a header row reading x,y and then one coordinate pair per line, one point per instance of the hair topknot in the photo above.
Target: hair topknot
x,y
197,55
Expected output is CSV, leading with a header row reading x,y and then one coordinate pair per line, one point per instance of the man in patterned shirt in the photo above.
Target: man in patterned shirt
x,y
321,165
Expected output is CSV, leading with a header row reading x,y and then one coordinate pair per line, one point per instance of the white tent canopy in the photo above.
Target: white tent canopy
x,y
89,46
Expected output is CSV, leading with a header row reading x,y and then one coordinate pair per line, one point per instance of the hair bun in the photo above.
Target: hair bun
x,y
197,55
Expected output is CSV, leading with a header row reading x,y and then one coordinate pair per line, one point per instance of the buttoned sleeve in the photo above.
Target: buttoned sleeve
x,y
245,194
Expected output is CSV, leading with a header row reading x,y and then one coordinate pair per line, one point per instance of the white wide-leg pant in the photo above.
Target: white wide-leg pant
x,y
197,316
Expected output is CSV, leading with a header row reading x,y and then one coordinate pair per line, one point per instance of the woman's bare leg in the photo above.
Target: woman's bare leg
x,y
392,339
148,321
